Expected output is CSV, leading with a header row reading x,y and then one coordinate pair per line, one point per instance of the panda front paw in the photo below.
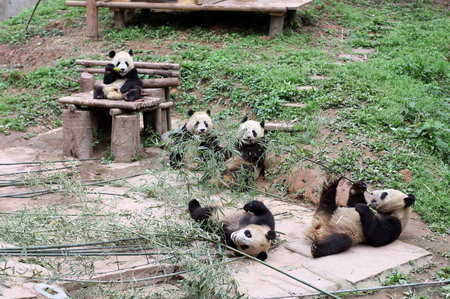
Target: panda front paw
x,y
362,208
253,206
359,187
332,182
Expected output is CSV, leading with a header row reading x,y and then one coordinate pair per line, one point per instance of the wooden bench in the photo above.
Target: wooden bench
x,y
277,9
82,114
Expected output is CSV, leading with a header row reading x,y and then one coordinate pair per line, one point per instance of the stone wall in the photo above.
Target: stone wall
x,y
9,8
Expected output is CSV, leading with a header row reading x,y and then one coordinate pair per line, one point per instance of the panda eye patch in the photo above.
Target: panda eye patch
x,y
383,195
254,133
117,64
243,247
247,233
126,62
197,123
206,124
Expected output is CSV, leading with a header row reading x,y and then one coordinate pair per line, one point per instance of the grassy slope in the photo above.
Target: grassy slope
x,y
396,104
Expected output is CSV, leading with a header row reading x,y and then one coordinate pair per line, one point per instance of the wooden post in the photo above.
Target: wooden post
x,y
91,19
87,81
276,24
119,18
77,133
125,139
158,127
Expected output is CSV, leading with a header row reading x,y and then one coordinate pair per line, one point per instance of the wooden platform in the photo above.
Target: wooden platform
x,y
278,9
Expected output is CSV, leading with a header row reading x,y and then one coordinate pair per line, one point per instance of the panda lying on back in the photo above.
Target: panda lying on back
x,y
249,230
335,229
121,80
200,126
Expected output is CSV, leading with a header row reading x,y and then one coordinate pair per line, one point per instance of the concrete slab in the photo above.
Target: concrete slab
x,y
352,268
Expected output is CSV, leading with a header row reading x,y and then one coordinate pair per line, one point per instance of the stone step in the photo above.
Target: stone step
x,y
319,77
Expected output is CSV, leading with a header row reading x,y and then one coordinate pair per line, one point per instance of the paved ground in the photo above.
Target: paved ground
x,y
361,266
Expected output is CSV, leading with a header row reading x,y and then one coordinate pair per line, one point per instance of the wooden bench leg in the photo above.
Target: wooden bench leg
x,y
276,24
119,18
77,134
91,18
125,139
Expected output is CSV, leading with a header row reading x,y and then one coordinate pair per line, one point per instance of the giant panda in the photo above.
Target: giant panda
x,y
251,147
250,230
121,80
335,229
198,126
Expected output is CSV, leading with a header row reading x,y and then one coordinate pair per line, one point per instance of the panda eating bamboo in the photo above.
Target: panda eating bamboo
x,y
335,229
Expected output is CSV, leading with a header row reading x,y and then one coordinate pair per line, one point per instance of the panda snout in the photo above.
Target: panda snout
x,y
122,70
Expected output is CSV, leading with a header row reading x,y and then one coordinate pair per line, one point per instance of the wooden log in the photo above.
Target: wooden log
x,y
159,82
91,18
276,24
72,107
139,70
86,81
158,127
164,121
115,111
154,93
87,100
220,6
166,105
148,65
125,139
119,18
275,126
77,134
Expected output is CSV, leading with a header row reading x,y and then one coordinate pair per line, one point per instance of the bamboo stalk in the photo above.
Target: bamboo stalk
x,y
35,171
52,161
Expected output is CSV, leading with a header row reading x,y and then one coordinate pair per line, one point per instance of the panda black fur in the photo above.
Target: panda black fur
x,y
250,230
335,229
199,125
121,80
251,147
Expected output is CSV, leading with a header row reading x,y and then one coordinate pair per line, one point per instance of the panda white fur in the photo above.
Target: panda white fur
x,y
335,229
199,126
121,80
250,230
251,147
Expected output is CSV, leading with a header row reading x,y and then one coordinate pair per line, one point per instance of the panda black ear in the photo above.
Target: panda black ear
x,y
244,119
262,256
262,124
130,52
409,200
112,54
208,112
190,112
271,235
